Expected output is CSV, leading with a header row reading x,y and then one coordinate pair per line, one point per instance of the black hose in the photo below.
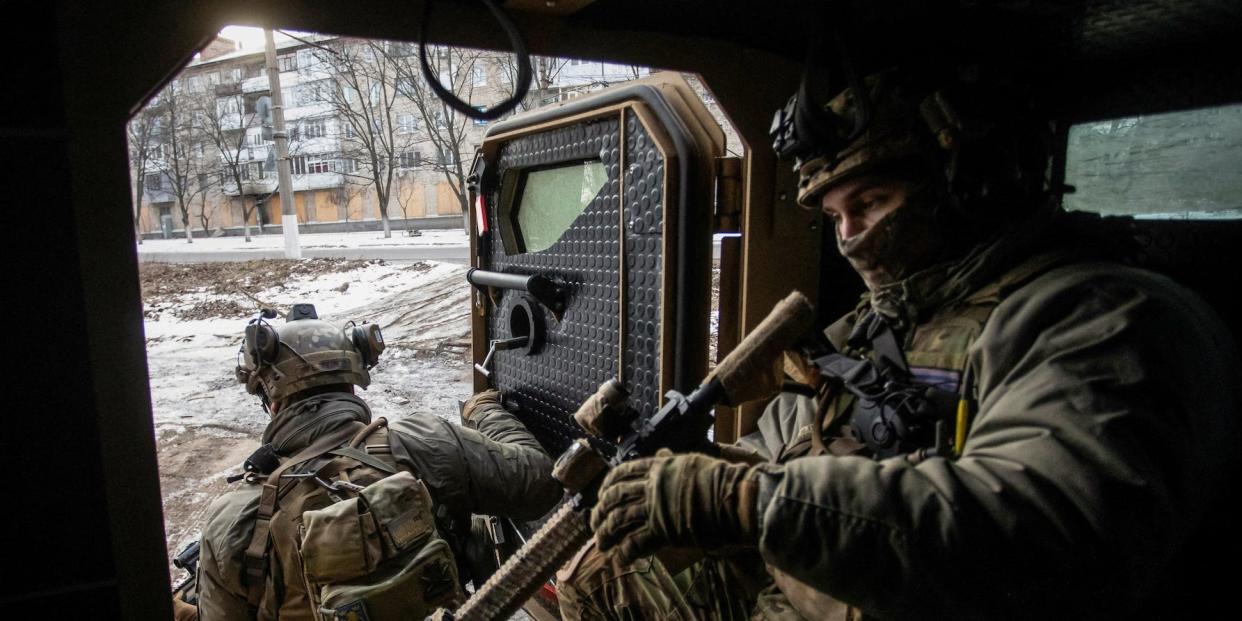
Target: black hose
x,y
519,49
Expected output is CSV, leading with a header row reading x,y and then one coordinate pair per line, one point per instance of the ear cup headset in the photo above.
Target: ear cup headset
x,y
369,342
314,353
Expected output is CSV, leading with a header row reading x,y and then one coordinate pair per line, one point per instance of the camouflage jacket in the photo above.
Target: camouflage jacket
x,y
496,467
1106,400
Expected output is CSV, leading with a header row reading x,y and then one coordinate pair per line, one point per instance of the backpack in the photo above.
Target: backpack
x,y
343,534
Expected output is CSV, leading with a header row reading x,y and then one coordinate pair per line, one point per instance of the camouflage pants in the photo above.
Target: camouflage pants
x,y
593,586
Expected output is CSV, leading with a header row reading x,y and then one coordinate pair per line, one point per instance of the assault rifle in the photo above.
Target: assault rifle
x,y
187,559
680,425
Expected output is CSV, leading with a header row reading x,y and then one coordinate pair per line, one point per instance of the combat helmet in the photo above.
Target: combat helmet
x,y
305,352
982,136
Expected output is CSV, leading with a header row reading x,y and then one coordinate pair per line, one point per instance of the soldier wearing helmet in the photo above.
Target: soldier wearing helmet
x,y
1012,423
321,451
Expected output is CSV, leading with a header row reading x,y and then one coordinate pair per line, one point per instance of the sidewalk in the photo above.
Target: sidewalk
x,y
442,245
448,245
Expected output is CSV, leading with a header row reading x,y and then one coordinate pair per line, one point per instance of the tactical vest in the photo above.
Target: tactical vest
x,y
343,534
937,352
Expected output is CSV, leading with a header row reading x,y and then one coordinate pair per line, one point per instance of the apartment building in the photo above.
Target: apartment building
x,y
369,144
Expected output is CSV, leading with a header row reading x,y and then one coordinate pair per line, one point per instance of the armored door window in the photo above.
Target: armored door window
x,y
548,201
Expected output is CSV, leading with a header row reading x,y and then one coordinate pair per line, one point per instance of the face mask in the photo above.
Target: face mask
x,y
901,243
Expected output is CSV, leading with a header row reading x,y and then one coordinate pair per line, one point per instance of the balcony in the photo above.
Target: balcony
x,y
228,89
250,187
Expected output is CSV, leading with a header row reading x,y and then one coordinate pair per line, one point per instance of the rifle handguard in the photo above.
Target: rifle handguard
x,y
748,372
603,413
559,538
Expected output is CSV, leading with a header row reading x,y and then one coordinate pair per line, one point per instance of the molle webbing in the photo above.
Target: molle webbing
x,y
342,442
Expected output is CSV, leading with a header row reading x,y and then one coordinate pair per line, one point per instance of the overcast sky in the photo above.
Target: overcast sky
x,y
250,38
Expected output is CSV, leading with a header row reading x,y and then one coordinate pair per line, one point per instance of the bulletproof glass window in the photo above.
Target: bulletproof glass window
x,y
543,203
1184,165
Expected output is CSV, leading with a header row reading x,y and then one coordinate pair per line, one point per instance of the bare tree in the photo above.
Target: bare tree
x,y
228,122
545,73
406,193
181,139
140,131
357,81
459,70
207,184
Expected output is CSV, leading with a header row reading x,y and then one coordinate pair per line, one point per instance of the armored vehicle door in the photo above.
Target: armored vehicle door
x,y
591,239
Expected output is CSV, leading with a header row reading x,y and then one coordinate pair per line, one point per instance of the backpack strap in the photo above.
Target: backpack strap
x,y
378,428
260,539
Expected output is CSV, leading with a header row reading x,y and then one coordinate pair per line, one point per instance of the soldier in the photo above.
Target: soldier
x,y
329,522
1013,424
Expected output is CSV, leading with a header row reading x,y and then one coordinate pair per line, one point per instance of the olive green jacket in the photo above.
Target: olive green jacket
x,y
495,468
1107,404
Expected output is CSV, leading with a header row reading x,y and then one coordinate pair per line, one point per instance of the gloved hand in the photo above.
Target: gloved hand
x,y
675,500
477,405
183,611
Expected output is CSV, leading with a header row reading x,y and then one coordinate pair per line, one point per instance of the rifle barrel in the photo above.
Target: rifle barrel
x,y
531,566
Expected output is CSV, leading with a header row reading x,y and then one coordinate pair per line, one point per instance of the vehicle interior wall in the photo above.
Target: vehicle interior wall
x,y
87,534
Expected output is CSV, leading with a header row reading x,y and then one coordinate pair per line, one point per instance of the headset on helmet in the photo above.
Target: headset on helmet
x,y
276,363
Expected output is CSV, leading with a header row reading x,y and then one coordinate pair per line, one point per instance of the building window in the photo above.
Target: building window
x,y
288,62
410,159
258,170
446,157
255,138
154,181
349,129
479,122
402,49
298,164
321,166
212,78
194,84
349,165
405,124
307,59
314,128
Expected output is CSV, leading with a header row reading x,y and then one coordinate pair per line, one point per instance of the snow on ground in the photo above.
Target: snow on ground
x,y
274,240
206,423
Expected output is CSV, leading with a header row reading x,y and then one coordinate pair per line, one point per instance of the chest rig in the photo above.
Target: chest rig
x,y
900,389
896,409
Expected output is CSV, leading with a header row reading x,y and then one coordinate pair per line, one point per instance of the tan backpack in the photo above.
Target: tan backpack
x,y
343,534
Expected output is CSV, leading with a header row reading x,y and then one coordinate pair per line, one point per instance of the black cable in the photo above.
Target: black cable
x,y
519,49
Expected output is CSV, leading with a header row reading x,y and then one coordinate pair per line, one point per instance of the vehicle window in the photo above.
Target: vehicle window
x,y
1177,165
553,198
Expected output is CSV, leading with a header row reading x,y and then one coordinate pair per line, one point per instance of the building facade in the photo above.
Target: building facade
x,y
369,144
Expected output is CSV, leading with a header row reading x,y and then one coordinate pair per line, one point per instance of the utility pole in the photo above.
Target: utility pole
x,y
288,215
